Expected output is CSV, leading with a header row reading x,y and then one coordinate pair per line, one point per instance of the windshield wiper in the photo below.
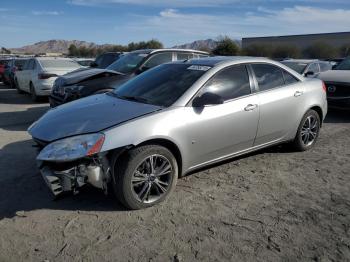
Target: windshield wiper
x,y
135,98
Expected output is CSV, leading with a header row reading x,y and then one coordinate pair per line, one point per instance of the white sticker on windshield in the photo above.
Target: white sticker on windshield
x,y
143,55
199,68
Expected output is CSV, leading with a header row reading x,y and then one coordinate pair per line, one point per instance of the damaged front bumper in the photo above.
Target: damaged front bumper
x,y
70,177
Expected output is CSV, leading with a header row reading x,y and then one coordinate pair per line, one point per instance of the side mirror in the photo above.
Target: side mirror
x,y
142,69
93,64
207,99
309,73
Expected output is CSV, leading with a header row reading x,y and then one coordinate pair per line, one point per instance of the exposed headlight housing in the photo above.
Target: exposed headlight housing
x,y
72,89
72,148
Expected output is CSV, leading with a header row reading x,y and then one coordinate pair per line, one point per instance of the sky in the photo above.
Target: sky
x,y
169,21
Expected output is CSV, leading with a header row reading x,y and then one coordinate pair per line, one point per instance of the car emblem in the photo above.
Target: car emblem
x,y
332,89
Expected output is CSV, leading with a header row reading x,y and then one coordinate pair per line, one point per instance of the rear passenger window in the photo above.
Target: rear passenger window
x,y
229,83
325,67
268,76
289,78
313,68
184,56
159,59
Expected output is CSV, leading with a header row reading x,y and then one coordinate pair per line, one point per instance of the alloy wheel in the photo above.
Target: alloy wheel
x,y
152,178
309,130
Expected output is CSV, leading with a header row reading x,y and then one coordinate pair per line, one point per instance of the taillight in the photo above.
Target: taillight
x,y
324,87
45,75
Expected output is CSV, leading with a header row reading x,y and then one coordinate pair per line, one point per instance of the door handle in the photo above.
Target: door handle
x,y
250,107
298,93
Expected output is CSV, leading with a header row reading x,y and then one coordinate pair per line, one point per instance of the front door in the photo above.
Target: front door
x,y
217,131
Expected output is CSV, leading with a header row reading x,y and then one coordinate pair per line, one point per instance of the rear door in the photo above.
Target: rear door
x,y
280,97
23,75
220,130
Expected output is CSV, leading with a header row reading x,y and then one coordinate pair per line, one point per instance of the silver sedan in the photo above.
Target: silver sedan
x,y
173,119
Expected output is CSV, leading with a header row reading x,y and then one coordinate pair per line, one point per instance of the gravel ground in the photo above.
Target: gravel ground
x,y
274,205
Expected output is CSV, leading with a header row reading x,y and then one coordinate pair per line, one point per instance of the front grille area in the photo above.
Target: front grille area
x,y
41,144
335,89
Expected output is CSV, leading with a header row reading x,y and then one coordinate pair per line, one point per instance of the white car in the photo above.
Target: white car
x,y
38,74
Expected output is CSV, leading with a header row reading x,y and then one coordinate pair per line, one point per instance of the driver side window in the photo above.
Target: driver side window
x,y
229,83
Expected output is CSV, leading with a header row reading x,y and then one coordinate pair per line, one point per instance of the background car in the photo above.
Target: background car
x,y
3,64
335,61
85,62
173,119
38,74
12,66
308,68
104,60
338,85
95,81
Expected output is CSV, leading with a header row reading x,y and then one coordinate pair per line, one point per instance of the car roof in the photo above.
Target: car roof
x,y
151,51
217,60
307,61
52,58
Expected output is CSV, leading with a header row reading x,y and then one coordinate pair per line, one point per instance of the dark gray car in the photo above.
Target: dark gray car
x,y
84,83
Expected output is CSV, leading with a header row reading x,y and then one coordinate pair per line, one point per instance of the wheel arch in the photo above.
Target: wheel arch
x,y
168,144
319,111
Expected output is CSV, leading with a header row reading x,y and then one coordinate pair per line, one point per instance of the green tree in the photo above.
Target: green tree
x,y
344,51
320,50
286,51
72,50
263,50
5,50
226,47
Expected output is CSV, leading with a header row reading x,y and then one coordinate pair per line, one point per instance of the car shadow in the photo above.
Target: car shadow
x,y
10,95
24,190
337,116
21,120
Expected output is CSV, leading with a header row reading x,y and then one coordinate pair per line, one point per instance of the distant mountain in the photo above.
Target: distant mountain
x,y
208,44
61,46
53,46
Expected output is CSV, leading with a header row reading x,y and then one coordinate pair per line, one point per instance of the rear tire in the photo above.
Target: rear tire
x,y
19,91
138,183
33,94
308,131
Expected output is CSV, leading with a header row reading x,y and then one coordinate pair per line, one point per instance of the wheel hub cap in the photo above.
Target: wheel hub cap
x,y
152,178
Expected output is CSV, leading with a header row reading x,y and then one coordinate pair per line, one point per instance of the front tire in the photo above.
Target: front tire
x,y
33,94
308,131
145,176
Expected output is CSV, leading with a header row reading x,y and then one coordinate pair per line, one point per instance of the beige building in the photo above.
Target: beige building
x,y
301,41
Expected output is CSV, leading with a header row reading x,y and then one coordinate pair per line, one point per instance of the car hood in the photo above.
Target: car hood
x,y
335,76
87,115
81,75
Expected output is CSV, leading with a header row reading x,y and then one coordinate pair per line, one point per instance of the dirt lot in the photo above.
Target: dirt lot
x,y
274,205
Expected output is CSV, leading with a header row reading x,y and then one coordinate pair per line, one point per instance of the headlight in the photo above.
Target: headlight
x,y
72,89
72,148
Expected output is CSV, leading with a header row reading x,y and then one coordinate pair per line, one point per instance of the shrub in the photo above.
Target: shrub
x,y
226,47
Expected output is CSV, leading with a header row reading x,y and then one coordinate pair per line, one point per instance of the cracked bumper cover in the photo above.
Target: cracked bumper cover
x,y
73,178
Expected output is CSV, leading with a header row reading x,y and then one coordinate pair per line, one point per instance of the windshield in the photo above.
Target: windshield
x,y
59,63
19,62
345,65
162,85
127,63
296,66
